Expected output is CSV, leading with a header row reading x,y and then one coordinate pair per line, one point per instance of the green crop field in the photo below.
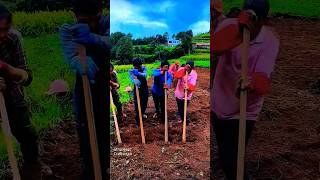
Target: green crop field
x,y
45,59
201,60
304,8
201,38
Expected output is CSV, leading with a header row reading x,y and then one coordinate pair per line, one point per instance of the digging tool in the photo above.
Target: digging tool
x,y
140,114
165,110
115,118
184,130
243,104
8,138
90,116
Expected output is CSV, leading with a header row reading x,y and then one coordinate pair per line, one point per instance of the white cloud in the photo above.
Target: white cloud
x,y
200,27
123,12
165,6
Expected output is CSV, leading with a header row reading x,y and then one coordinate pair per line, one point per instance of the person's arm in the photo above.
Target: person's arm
x,y
70,52
180,73
69,47
20,58
171,68
226,37
192,83
84,36
260,80
169,80
156,73
131,76
114,81
143,73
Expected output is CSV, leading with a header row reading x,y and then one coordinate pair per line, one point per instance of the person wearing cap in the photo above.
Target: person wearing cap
x,y
138,76
114,84
58,88
14,76
158,88
185,83
172,70
91,30
263,51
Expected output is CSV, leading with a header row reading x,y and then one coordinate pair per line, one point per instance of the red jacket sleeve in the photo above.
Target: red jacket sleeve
x,y
191,87
260,83
180,73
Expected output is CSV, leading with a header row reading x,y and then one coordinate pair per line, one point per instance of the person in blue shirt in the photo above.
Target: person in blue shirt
x,y
138,76
158,88
91,30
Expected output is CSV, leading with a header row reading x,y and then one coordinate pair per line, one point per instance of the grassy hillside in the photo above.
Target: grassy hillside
x,y
201,38
305,8
45,59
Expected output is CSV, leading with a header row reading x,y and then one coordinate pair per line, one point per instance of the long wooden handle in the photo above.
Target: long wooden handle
x,y
165,110
184,130
90,117
6,130
140,116
243,104
115,118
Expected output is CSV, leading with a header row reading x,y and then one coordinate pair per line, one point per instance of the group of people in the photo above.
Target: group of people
x,y
91,30
225,92
181,78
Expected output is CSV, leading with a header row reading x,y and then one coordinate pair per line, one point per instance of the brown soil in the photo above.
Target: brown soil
x,y
61,152
174,160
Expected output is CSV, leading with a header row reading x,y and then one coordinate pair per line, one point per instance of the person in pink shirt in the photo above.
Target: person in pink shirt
x,y
188,83
174,68
225,102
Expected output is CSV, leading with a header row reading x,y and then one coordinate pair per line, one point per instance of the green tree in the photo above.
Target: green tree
x,y
165,37
186,40
160,52
124,50
115,37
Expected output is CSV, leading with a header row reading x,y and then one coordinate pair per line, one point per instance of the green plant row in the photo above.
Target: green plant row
x,y
196,57
202,50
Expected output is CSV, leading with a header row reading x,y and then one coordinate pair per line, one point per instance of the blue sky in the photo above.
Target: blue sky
x,y
144,18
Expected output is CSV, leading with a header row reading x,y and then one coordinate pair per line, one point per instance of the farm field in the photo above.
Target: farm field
x,y
285,143
174,160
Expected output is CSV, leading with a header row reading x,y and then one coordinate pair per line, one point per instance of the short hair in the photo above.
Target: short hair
x,y
260,7
191,63
5,13
111,66
164,63
86,7
136,62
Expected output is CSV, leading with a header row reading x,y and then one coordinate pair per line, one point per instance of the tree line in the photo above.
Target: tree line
x,y
125,47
